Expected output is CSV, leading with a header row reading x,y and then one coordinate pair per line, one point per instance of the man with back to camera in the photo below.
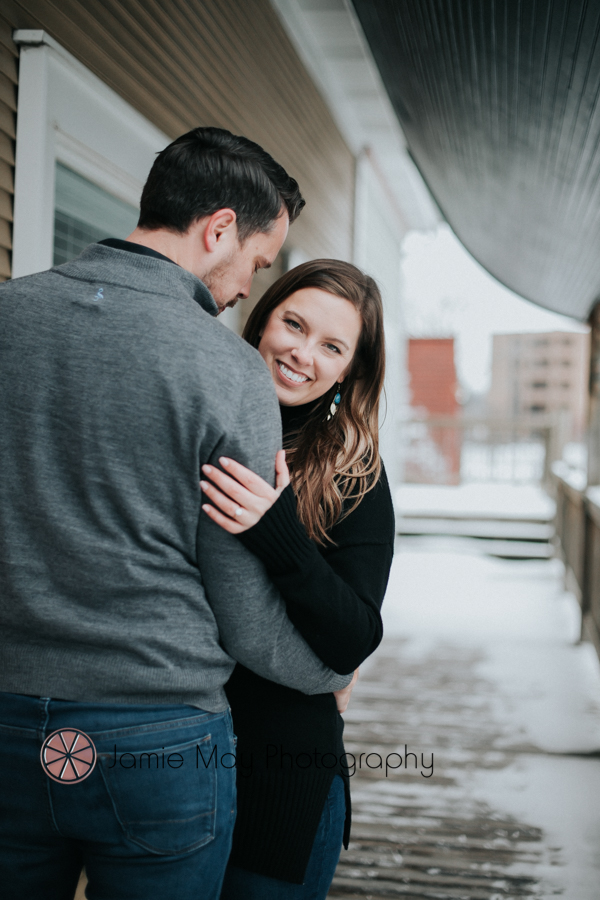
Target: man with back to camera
x,y
122,608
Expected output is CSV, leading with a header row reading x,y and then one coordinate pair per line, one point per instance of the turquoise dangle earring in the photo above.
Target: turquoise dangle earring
x,y
336,402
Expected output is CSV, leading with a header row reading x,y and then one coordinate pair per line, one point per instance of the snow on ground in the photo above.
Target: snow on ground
x,y
545,691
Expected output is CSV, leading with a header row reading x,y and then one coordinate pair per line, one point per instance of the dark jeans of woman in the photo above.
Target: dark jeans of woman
x,y
240,884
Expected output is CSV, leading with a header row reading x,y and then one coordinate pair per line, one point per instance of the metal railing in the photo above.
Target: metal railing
x,y
578,539
457,450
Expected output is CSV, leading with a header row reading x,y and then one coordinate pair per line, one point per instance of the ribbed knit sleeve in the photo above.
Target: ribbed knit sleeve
x,y
334,593
279,538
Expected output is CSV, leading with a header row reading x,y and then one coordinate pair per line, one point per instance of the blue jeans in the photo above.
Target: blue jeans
x,y
154,818
240,884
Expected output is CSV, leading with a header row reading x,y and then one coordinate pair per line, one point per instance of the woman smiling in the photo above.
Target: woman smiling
x,y
325,534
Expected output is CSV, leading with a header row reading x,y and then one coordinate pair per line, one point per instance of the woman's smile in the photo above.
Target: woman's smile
x,y
289,374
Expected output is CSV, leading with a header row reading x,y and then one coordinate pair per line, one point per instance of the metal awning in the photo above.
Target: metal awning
x,y
499,102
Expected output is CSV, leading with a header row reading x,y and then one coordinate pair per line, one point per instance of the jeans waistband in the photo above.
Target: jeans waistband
x,y
35,716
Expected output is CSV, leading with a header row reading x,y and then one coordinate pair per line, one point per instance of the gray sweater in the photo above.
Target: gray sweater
x,y
116,384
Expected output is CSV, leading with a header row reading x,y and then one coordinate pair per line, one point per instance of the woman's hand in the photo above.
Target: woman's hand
x,y
241,501
342,698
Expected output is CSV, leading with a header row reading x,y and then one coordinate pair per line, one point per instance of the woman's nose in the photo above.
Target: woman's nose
x,y
303,355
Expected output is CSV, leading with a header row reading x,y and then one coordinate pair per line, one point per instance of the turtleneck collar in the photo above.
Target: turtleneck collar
x,y
294,417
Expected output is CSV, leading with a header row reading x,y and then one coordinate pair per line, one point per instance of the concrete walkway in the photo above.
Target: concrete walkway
x,y
479,672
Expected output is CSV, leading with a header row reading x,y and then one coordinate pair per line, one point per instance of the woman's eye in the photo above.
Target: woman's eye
x,y
333,347
293,323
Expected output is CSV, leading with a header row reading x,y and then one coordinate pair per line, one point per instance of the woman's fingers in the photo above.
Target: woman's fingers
x,y
282,473
224,521
342,698
229,486
247,477
240,504
224,503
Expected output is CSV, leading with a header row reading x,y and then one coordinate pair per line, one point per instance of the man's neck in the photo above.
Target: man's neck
x,y
163,241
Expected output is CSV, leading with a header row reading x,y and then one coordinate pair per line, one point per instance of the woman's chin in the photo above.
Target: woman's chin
x,y
291,401
290,397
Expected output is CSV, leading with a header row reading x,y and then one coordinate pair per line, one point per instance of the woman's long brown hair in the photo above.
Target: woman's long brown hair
x,y
334,463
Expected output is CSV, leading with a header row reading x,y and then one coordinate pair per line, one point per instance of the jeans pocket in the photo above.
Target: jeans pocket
x,y
164,798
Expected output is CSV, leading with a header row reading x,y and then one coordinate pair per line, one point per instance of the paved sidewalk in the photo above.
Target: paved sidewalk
x,y
481,670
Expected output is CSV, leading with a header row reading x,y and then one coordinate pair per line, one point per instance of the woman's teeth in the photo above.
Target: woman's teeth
x,y
299,379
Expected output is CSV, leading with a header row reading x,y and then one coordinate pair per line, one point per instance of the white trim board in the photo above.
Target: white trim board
x,y
67,113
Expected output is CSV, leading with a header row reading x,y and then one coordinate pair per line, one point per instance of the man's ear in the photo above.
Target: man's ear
x,y
220,229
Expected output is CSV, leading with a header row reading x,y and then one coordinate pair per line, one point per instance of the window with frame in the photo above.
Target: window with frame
x,y
85,213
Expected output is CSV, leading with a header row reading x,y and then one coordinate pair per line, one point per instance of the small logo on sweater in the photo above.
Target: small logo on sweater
x,y
99,295
68,755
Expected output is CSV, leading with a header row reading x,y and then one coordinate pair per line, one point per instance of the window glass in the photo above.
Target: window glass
x,y
84,213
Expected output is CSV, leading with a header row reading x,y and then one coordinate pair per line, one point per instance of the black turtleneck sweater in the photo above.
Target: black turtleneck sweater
x,y
289,744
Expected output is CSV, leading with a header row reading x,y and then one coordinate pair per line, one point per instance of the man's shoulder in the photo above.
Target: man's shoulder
x,y
189,335
14,285
247,354
237,365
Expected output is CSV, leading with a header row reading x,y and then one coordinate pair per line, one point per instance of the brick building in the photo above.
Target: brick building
x,y
433,391
432,373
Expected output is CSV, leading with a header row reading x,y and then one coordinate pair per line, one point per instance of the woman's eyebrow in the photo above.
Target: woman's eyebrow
x,y
337,340
303,322
301,319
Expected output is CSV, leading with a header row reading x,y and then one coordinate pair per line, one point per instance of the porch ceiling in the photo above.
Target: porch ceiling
x,y
499,105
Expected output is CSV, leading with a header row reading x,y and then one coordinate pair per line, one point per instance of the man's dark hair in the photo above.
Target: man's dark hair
x,y
209,169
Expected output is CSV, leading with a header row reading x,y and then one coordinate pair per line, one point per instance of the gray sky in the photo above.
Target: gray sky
x,y
448,294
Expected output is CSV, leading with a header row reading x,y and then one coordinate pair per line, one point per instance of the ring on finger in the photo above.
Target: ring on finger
x,y
239,511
